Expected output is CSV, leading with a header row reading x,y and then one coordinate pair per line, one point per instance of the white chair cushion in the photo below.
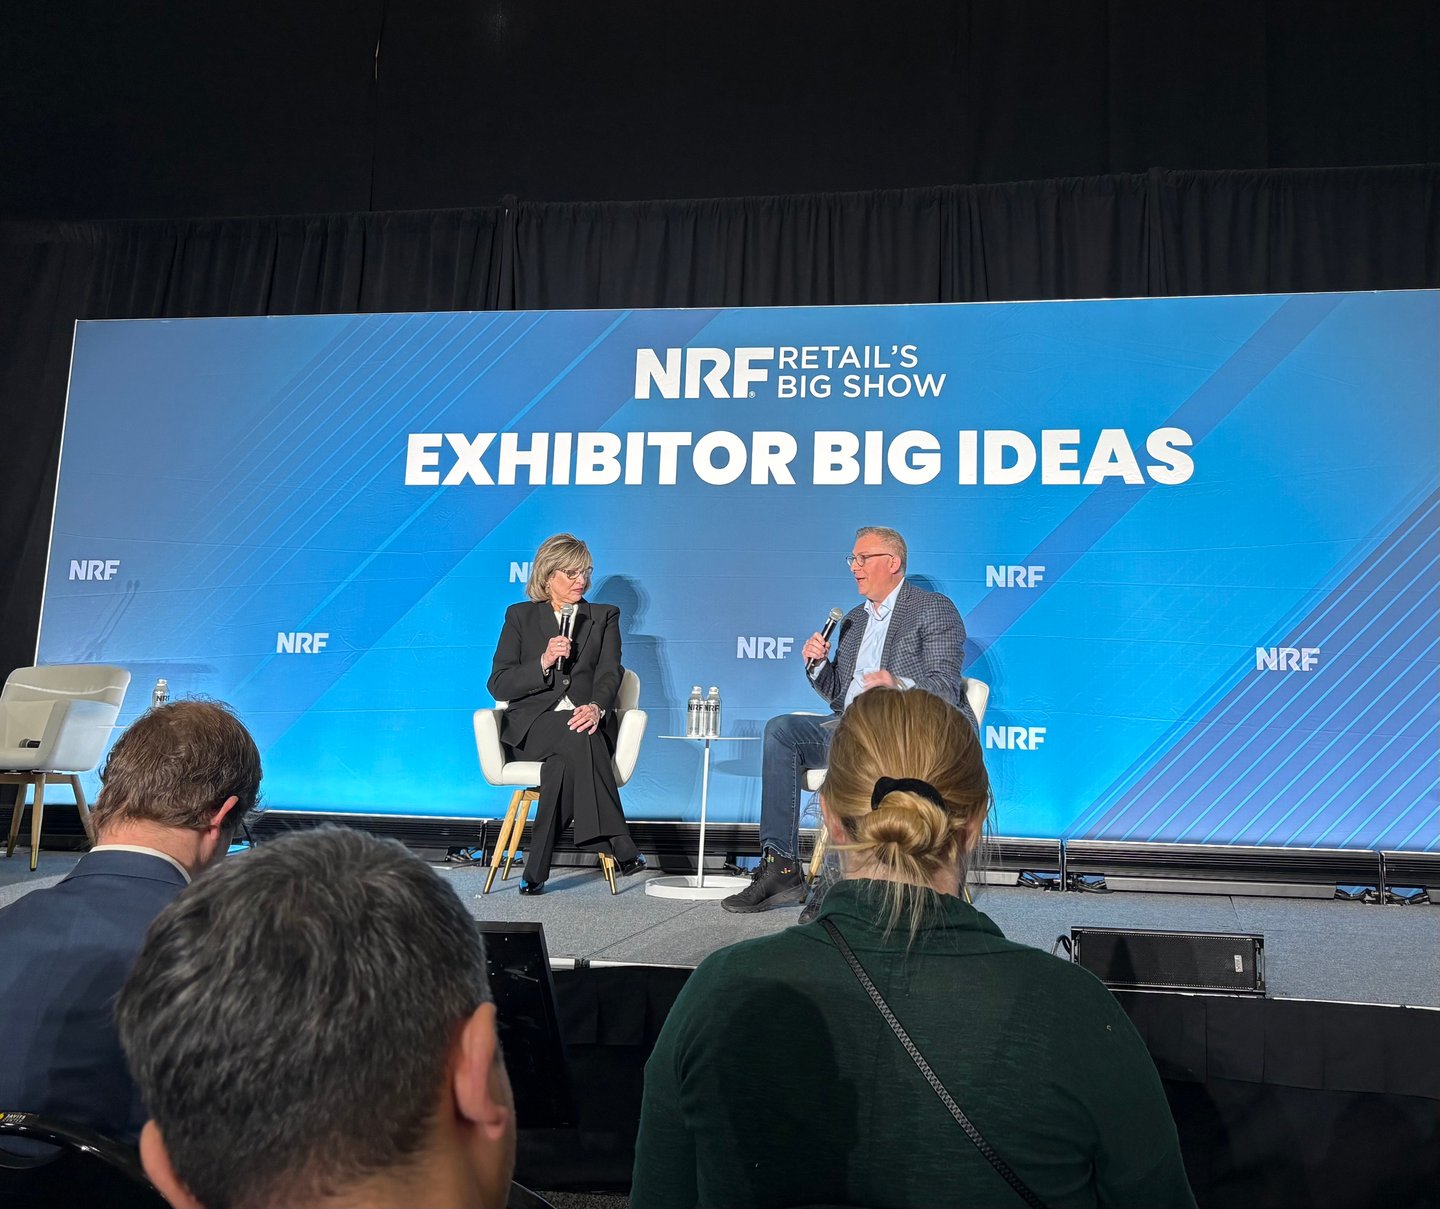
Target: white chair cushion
x,y
90,681
72,734
977,693
523,774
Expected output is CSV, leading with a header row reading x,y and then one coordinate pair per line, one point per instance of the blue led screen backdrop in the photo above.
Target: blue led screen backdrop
x,y
1194,540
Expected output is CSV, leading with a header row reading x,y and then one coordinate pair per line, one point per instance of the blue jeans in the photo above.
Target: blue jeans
x,y
793,743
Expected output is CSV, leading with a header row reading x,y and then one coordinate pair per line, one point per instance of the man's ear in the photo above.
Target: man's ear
x,y
217,820
482,1089
156,1161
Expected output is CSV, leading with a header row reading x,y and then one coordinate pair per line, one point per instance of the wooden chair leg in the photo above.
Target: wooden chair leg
x,y
607,865
83,807
817,855
530,795
504,839
20,788
37,812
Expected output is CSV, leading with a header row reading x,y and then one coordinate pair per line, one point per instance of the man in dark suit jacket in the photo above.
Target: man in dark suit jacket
x,y
900,637
176,787
560,690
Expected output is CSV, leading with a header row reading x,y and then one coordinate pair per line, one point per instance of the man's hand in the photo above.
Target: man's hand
x,y
880,678
815,648
585,719
556,649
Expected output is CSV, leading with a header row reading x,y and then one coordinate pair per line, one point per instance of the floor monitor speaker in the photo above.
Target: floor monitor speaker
x,y
1151,960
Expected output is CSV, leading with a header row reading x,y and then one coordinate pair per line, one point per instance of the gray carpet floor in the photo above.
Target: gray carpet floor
x,y
1314,949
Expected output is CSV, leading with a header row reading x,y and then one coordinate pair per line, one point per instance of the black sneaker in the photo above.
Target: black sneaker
x,y
776,882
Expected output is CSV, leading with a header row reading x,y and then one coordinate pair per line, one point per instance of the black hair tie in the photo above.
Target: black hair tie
x,y
887,785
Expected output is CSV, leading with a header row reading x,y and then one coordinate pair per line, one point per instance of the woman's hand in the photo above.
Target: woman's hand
x,y
586,719
556,649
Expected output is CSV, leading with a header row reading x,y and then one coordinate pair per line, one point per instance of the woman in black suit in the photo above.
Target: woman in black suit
x,y
558,666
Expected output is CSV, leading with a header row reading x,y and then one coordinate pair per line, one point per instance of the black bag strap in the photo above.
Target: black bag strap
x,y
984,1147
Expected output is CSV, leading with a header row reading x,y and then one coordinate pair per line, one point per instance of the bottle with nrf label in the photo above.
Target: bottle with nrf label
x,y
712,714
161,693
695,715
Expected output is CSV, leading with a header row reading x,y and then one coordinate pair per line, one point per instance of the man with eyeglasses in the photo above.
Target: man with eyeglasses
x,y
901,637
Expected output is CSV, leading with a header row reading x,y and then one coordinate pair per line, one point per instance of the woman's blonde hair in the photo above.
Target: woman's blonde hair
x,y
562,552
904,836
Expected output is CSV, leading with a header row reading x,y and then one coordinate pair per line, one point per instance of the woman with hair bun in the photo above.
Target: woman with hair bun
x,y
777,1080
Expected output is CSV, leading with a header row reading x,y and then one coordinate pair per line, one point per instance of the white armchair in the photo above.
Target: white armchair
x,y
524,775
54,724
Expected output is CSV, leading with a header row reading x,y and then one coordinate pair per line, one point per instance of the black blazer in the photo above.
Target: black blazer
x,y
67,950
592,673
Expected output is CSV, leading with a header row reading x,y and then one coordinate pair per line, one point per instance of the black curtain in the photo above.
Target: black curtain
x,y
1134,235
122,110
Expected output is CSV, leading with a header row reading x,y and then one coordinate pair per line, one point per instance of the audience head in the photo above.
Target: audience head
x,y
557,555
918,836
311,1023
188,767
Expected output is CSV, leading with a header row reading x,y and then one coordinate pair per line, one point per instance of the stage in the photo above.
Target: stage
x,y
1314,949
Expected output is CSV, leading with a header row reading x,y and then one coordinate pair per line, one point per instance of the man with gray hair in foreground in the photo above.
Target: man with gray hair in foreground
x,y
312,1025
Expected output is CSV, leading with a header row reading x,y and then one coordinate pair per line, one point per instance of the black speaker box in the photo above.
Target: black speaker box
x,y
1135,959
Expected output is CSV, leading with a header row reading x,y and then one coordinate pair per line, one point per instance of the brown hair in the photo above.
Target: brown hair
x,y
557,553
177,764
906,836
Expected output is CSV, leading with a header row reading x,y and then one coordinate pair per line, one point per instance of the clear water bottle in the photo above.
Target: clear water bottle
x,y
161,693
695,715
712,714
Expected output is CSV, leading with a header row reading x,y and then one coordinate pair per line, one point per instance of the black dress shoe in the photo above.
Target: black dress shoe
x,y
635,864
531,887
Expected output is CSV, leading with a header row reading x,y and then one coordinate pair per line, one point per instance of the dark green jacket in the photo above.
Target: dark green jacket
x,y
775,1081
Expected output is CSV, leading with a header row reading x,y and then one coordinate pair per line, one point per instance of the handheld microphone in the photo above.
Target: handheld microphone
x,y
829,628
567,623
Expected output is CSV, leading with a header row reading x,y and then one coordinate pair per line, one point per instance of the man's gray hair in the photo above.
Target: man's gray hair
x,y
888,538
290,1017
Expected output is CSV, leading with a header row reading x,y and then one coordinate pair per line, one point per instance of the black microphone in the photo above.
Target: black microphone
x,y
829,628
567,623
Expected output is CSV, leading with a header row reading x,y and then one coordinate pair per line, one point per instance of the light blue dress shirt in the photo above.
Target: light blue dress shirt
x,y
872,644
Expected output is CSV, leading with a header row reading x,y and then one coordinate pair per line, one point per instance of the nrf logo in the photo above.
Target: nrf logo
x,y
693,373
1014,577
1286,658
299,642
94,568
1015,738
520,572
763,647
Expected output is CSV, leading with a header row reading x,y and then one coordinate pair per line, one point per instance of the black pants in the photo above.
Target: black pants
x,y
577,784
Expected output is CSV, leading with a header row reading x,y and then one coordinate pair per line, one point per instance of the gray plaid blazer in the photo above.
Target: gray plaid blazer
x,y
925,643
